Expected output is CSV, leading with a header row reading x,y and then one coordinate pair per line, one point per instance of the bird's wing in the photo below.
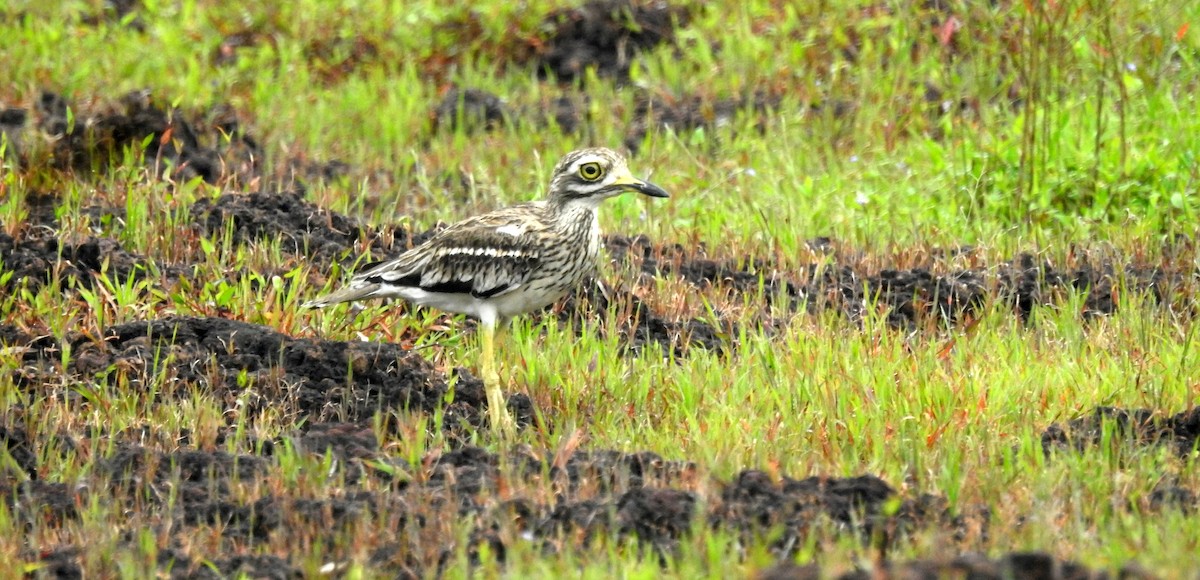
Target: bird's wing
x,y
484,256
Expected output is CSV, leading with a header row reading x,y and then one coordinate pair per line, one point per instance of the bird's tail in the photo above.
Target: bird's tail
x,y
348,294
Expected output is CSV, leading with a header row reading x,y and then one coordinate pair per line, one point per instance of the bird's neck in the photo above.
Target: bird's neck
x,y
576,218
576,208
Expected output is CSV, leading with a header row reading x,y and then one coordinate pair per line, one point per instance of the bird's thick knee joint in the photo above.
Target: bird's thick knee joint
x,y
492,378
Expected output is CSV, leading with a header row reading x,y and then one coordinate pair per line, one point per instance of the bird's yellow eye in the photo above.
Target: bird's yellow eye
x,y
591,171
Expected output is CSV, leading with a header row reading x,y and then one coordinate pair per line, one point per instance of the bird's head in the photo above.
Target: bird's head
x,y
590,176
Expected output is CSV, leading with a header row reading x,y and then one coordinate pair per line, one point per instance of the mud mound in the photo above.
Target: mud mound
x,y
907,297
61,563
118,12
604,35
66,563
331,57
303,228
640,498
12,337
167,141
30,352
475,109
1027,282
915,298
12,123
638,325
686,113
40,257
696,267
1023,284
470,109
212,145
753,502
261,566
978,567
253,367
15,443
921,297
570,113
1171,495
43,214
1128,429
335,58
227,51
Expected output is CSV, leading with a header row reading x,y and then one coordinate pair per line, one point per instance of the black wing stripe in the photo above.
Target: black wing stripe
x,y
412,280
486,266
451,286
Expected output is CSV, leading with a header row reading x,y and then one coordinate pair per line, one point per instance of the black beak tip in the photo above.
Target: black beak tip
x,y
649,189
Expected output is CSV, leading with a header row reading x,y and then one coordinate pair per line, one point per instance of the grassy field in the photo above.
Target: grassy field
x,y
941,256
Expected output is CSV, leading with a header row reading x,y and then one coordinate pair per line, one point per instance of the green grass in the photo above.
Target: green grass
x,y
1099,154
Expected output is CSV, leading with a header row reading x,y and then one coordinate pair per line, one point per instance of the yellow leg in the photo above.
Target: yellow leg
x,y
497,408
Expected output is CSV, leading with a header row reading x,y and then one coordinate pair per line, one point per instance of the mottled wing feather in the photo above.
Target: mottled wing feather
x,y
480,256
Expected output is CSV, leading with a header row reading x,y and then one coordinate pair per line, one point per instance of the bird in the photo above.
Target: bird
x,y
507,262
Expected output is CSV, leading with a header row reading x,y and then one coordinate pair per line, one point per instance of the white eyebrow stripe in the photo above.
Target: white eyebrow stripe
x,y
574,168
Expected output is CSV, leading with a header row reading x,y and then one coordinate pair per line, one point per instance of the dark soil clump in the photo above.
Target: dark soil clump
x,y
921,297
60,563
975,566
211,145
694,266
12,124
470,109
638,325
15,443
302,228
639,498
262,566
39,257
474,110
171,143
754,502
1126,429
253,367
1169,495
123,12
605,35
680,115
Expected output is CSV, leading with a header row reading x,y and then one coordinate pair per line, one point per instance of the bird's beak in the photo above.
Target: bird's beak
x,y
642,187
